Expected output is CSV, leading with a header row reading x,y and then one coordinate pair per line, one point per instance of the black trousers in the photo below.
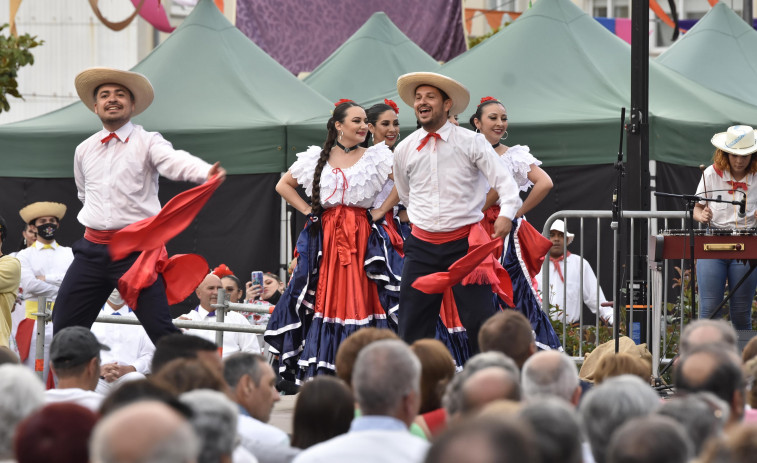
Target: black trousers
x,y
89,281
418,311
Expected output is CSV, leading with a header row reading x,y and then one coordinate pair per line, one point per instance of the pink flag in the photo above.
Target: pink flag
x,y
152,12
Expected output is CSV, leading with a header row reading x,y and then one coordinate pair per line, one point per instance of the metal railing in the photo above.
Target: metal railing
x,y
656,221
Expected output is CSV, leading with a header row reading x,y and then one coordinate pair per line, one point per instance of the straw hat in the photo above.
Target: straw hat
x,y
89,79
738,139
406,85
42,209
559,225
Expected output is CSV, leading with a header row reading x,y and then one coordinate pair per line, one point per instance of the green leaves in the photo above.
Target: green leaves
x,y
14,54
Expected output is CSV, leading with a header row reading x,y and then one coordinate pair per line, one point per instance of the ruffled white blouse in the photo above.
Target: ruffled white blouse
x,y
518,160
357,185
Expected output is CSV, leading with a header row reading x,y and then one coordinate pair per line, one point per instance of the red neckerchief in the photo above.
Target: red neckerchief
x,y
734,184
428,136
556,261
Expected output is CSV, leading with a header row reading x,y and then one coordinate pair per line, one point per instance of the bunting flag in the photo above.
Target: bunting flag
x,y
152,12
493,17
116,26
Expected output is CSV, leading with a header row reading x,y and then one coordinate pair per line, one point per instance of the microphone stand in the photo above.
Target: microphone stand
x,y
616,225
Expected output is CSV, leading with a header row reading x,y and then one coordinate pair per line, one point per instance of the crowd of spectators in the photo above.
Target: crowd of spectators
x,y
389,403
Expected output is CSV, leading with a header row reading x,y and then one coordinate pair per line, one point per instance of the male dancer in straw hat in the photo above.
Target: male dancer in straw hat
x,y
116,172
441,172
43,266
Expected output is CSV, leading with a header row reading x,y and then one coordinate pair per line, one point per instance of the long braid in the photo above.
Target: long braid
x,y
340,112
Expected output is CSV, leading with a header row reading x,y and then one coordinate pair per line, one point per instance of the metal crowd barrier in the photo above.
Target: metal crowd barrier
x,y
656,310
218,326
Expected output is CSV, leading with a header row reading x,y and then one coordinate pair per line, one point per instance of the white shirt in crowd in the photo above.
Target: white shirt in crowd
x,y
121,184
444,185
51,261
573,277
232,341
726,215
371,439
129,345
88,399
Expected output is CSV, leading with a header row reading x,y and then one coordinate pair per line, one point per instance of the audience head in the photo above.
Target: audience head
x,y
612,364
509,332
184,375
207,292
738,446
21,393
558,427
139,390
58,432
75,356
488,385
233,288
485,440
386,380
324,409
214,419
750,375
253,384
702,415
551,373
607,406
713,368
8,356
704,331
175,346
351,347
437,369
750,350
453,396
157,433
650,439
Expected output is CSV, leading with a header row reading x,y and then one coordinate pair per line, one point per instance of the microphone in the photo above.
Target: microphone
x,y
742,207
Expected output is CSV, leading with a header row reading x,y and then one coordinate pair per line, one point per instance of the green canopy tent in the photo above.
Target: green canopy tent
x,y
218,96
720,53
368,63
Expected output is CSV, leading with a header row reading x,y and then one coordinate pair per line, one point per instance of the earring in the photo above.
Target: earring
x,y
398,136
477,131
340,135
505,137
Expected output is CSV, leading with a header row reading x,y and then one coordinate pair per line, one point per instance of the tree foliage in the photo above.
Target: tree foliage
x,y
14,54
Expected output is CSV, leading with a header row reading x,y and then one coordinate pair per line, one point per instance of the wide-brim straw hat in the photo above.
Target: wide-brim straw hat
x,y
460,96
42,209
738,139
89,79
559,225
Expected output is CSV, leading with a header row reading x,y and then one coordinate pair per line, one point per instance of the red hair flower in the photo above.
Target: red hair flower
x,y
343,100
485,99
222,270
392,105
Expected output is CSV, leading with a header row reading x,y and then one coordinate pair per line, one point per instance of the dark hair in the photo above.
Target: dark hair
x,y
346,354
175,346
57,432
236,282
141,389
372,114
184,375
509,332
3,229
324,409
723,380
506,441
240,364
437,369
480,109
340,113
113,83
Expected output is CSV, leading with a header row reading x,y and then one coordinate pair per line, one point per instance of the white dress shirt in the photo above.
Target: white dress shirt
x,y
118,181
573,277
254,433
726,215
41,260
232,341
87,399
129,344
369,440
444,185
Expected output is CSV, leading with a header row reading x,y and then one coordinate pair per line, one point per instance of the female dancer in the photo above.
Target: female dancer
x,y
732,175
522,260
332,292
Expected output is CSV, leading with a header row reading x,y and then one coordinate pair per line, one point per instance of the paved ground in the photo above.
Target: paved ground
x,y
281,417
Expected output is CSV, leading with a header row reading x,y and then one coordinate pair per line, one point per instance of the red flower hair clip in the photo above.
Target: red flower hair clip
x,y
343,100
222,270
485,99
392,105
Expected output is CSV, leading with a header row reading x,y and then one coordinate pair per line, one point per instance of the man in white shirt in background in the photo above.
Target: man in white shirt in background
x,y
561,277
233,341
130,352
75,361
441,172
116,172
43,266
